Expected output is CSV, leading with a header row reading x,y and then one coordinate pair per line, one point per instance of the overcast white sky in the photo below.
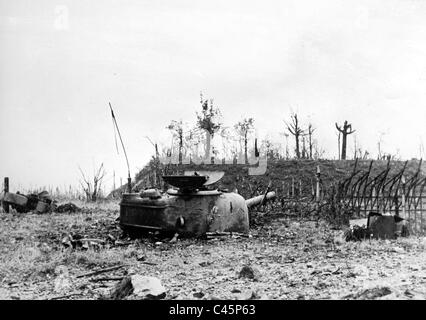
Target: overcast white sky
x,y
61,62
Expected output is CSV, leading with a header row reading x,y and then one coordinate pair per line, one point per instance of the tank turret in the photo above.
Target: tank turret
x,y
189,208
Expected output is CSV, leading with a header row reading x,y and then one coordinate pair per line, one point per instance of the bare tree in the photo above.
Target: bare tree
x,y
346,130
379,145
338,144
318,151
311,130
193,140
295,129
208,120
287,153
270,149
366,154
227,142
243,128
92,190
304,151
177,129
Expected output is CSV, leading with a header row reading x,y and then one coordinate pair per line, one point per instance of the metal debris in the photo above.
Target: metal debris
x,y
38,203
376,226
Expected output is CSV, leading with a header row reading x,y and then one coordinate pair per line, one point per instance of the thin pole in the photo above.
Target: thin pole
x,y
129,179
318,178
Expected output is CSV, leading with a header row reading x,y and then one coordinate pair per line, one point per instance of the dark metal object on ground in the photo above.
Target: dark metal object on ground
x,y
357,233
382,227
377,226
190,210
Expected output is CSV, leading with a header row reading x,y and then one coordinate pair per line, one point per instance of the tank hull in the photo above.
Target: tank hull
x,y
188,214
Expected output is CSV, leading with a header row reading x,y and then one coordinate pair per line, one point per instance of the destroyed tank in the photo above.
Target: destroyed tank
x,y
190,208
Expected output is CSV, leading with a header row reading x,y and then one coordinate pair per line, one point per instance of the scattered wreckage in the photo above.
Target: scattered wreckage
x,y
376,226
189,208
39,203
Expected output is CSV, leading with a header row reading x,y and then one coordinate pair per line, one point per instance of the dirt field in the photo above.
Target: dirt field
x,y
295,260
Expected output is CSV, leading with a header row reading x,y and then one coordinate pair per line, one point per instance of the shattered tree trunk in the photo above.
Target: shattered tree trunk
x,y
296,136
295,129
346,130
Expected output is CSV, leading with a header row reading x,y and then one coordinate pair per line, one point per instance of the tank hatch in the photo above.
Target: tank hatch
x,y
193,180
186,182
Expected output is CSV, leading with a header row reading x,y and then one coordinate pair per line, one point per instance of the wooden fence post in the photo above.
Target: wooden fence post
x,y
318,177
317,195
6,189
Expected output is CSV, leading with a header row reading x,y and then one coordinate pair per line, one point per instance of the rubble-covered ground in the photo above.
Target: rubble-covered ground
x,y
49,256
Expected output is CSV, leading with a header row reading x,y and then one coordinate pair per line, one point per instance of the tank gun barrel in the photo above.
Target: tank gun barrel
x,y
259,199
